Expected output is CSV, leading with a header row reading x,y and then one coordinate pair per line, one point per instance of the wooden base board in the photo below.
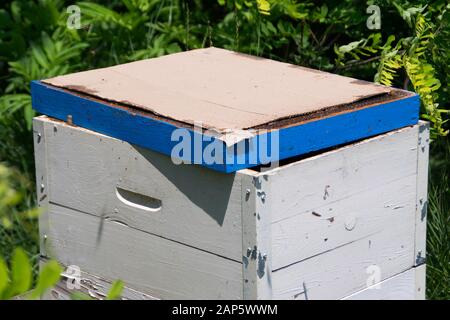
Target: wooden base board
x,y
90,285
408,285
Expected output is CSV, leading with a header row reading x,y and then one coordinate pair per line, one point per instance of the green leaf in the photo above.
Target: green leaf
x,y
21,272
29,114
5,20
351,46
4,279
11,103
263,7
39,55
32,213
6,223
48,277
115,291
408,14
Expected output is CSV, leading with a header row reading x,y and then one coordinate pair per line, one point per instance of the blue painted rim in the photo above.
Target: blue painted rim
x,y
137,128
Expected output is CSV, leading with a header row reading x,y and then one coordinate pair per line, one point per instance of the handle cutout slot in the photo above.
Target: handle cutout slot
x,y
138,201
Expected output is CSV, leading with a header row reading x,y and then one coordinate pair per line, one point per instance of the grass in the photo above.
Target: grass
x,y
20,235
438,229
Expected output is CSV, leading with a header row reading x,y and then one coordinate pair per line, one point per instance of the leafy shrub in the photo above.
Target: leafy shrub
x,y
18,281
18,225
416,54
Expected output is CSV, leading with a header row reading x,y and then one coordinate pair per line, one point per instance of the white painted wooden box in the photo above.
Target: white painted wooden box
x,y
344,224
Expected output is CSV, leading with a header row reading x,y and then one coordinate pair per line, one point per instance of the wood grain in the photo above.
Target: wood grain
x,y
408,285
42,179
422,192
200,207
344,270
344,172
338,223
147,263
220,88
93,286
256,238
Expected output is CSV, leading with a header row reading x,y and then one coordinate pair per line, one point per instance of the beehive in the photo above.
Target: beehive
x,y
343,214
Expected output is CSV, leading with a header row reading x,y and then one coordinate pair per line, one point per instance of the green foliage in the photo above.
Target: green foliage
x,y
425,83
115,291
18,281
10,200
303,33
45,59
21,273
48,277
18,225
414,54
362,48
18,24
390,63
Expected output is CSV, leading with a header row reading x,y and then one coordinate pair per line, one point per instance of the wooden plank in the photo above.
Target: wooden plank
x,y
422,194
349,268
421,277
403,286
343,221
148,263
199,207
221,88
256,239
148,132
42,182
93,286
319,180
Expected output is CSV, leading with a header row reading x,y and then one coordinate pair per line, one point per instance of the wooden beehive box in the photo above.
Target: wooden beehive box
x,y
343,222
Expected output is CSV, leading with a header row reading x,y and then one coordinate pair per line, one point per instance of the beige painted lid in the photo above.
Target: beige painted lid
x,y
221,89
